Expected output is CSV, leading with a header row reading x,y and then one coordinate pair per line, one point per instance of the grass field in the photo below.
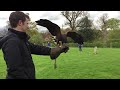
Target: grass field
x,y
76,65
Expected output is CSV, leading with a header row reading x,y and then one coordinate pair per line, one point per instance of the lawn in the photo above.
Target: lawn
x,y
76,65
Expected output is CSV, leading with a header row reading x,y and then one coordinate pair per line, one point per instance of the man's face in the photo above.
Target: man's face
x,y
25,25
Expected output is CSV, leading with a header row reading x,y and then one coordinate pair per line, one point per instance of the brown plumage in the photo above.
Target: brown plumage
x,y
54,29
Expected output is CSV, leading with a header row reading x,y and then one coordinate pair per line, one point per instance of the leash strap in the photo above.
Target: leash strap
x,y
55,65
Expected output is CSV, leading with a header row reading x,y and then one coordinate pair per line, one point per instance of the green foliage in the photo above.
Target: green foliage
x,y
37,39
85,23
85,28
114,34
93,44
115,45
97,34
101,44
73,44
98,44
113,23
88,34
32,29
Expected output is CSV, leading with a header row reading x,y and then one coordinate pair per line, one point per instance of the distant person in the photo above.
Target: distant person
x,y
80,47
49,44
17,49
95,50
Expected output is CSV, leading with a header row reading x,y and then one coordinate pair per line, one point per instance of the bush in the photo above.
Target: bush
x,y
98,44
36,39
73,44
102,45
115,44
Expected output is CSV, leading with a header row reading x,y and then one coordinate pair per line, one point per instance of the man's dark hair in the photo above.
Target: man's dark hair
x,y
15,17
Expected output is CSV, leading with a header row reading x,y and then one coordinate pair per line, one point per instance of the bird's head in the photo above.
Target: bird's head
x,y
42,22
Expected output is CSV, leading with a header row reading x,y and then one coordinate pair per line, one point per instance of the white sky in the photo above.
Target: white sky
x,y
55,16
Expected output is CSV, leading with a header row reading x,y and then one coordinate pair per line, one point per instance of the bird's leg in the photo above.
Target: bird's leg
x,y
55,64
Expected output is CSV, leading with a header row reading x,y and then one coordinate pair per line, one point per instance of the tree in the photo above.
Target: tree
x,y
35,36
37,39
114,34
32,29
113,24
72,18
85,23
47,36
102,21
114,38
85,28
4,30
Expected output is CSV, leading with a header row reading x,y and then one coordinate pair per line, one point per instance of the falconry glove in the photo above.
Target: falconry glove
x,y
55,52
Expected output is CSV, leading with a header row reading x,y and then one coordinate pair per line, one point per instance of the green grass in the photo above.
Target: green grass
x,y
76,65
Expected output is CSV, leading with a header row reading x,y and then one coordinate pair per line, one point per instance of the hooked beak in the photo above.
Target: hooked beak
x,y
37,22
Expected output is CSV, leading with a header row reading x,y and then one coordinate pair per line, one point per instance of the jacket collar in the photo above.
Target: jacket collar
x,y
21,35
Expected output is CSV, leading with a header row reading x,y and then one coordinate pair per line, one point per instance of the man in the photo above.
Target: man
x,y
17,49
80,47
48,44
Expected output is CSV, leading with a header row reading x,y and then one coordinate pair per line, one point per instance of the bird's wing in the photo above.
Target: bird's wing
x,y
53,28
76,37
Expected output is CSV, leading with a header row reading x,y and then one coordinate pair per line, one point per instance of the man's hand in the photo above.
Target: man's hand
x,y
55,52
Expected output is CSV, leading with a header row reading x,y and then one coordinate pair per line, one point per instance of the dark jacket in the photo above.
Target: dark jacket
x,y
17,52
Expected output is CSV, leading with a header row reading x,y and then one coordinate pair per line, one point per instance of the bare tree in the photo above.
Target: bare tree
x,y
4,30
103,26
72,18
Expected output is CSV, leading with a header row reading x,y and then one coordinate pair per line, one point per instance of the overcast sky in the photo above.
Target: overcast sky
x,y
55,16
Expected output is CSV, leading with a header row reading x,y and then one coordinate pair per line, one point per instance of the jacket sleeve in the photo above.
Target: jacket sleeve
x,y
39,50
14,60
